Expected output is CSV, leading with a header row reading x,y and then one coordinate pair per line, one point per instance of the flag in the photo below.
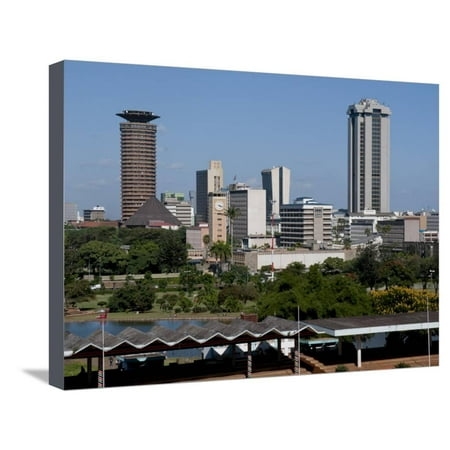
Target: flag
x,y
102,315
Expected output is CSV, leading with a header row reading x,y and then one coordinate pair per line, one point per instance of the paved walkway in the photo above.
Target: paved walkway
x,y
381,364
411,361
316,366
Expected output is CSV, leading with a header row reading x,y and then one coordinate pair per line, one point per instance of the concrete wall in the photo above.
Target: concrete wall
x,y
281,259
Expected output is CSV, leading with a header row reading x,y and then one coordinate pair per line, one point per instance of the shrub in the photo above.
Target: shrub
x,y
402,365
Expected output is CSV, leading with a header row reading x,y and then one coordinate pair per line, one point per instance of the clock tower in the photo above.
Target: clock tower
x,y
217,220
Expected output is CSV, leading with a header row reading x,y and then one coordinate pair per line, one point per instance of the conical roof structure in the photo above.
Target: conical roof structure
x,y
152,213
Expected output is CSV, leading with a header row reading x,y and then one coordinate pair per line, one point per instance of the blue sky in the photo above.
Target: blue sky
x,y
249,121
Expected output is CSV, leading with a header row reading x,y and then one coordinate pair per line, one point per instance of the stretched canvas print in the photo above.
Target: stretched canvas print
x,y
211,224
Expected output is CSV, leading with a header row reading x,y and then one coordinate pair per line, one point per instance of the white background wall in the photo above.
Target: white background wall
x,y
308,38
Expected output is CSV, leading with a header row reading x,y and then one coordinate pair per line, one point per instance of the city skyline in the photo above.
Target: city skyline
x,y
249,121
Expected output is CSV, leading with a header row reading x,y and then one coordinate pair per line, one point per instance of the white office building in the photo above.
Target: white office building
x,y
251,218
182,210
70,212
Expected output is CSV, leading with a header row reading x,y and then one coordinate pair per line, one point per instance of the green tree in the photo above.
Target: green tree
x,y
232,304
143,257
73,262
231,213
189,277
207,298
332,266
295,268
138,296
397,272
314,294
366,266
77,237
169,301
184,303
428,272
243,293
221,251
348,298
103,257
282,304
77,290
206,242
133,236
173,253
236,275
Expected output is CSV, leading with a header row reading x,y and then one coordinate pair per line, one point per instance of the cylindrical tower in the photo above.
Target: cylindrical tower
x,y
138,160
368,157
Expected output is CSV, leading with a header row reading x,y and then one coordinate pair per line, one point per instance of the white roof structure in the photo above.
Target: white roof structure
x,y
353,326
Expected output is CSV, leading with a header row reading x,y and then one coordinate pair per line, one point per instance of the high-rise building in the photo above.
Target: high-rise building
x,y
368,157
97,213
251,218
138,160
70,212
208,181
305,221
277,183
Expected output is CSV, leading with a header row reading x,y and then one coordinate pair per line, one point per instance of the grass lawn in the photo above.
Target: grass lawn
x,y
72,367
91,307
94,303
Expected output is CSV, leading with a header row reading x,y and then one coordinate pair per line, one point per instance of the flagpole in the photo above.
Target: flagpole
x,y
103,353
101,370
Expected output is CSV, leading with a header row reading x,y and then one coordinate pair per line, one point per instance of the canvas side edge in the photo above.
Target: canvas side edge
x,y
56,225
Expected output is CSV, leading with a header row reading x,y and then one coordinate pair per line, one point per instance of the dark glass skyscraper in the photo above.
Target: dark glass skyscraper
x,y
208,181
138,160
277,183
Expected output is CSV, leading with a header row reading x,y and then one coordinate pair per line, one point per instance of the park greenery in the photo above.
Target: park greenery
x,y
375,281
110,251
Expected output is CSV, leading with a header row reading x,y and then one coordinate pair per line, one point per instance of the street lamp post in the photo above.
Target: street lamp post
x,y
428,322
298,339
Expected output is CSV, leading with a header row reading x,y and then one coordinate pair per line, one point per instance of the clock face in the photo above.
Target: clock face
x,y
219,206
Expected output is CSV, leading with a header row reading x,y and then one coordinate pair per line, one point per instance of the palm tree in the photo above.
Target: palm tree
x,y
221,250
232,212
206,242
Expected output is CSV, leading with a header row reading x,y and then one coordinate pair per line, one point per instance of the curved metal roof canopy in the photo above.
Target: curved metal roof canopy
x,y
213,333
